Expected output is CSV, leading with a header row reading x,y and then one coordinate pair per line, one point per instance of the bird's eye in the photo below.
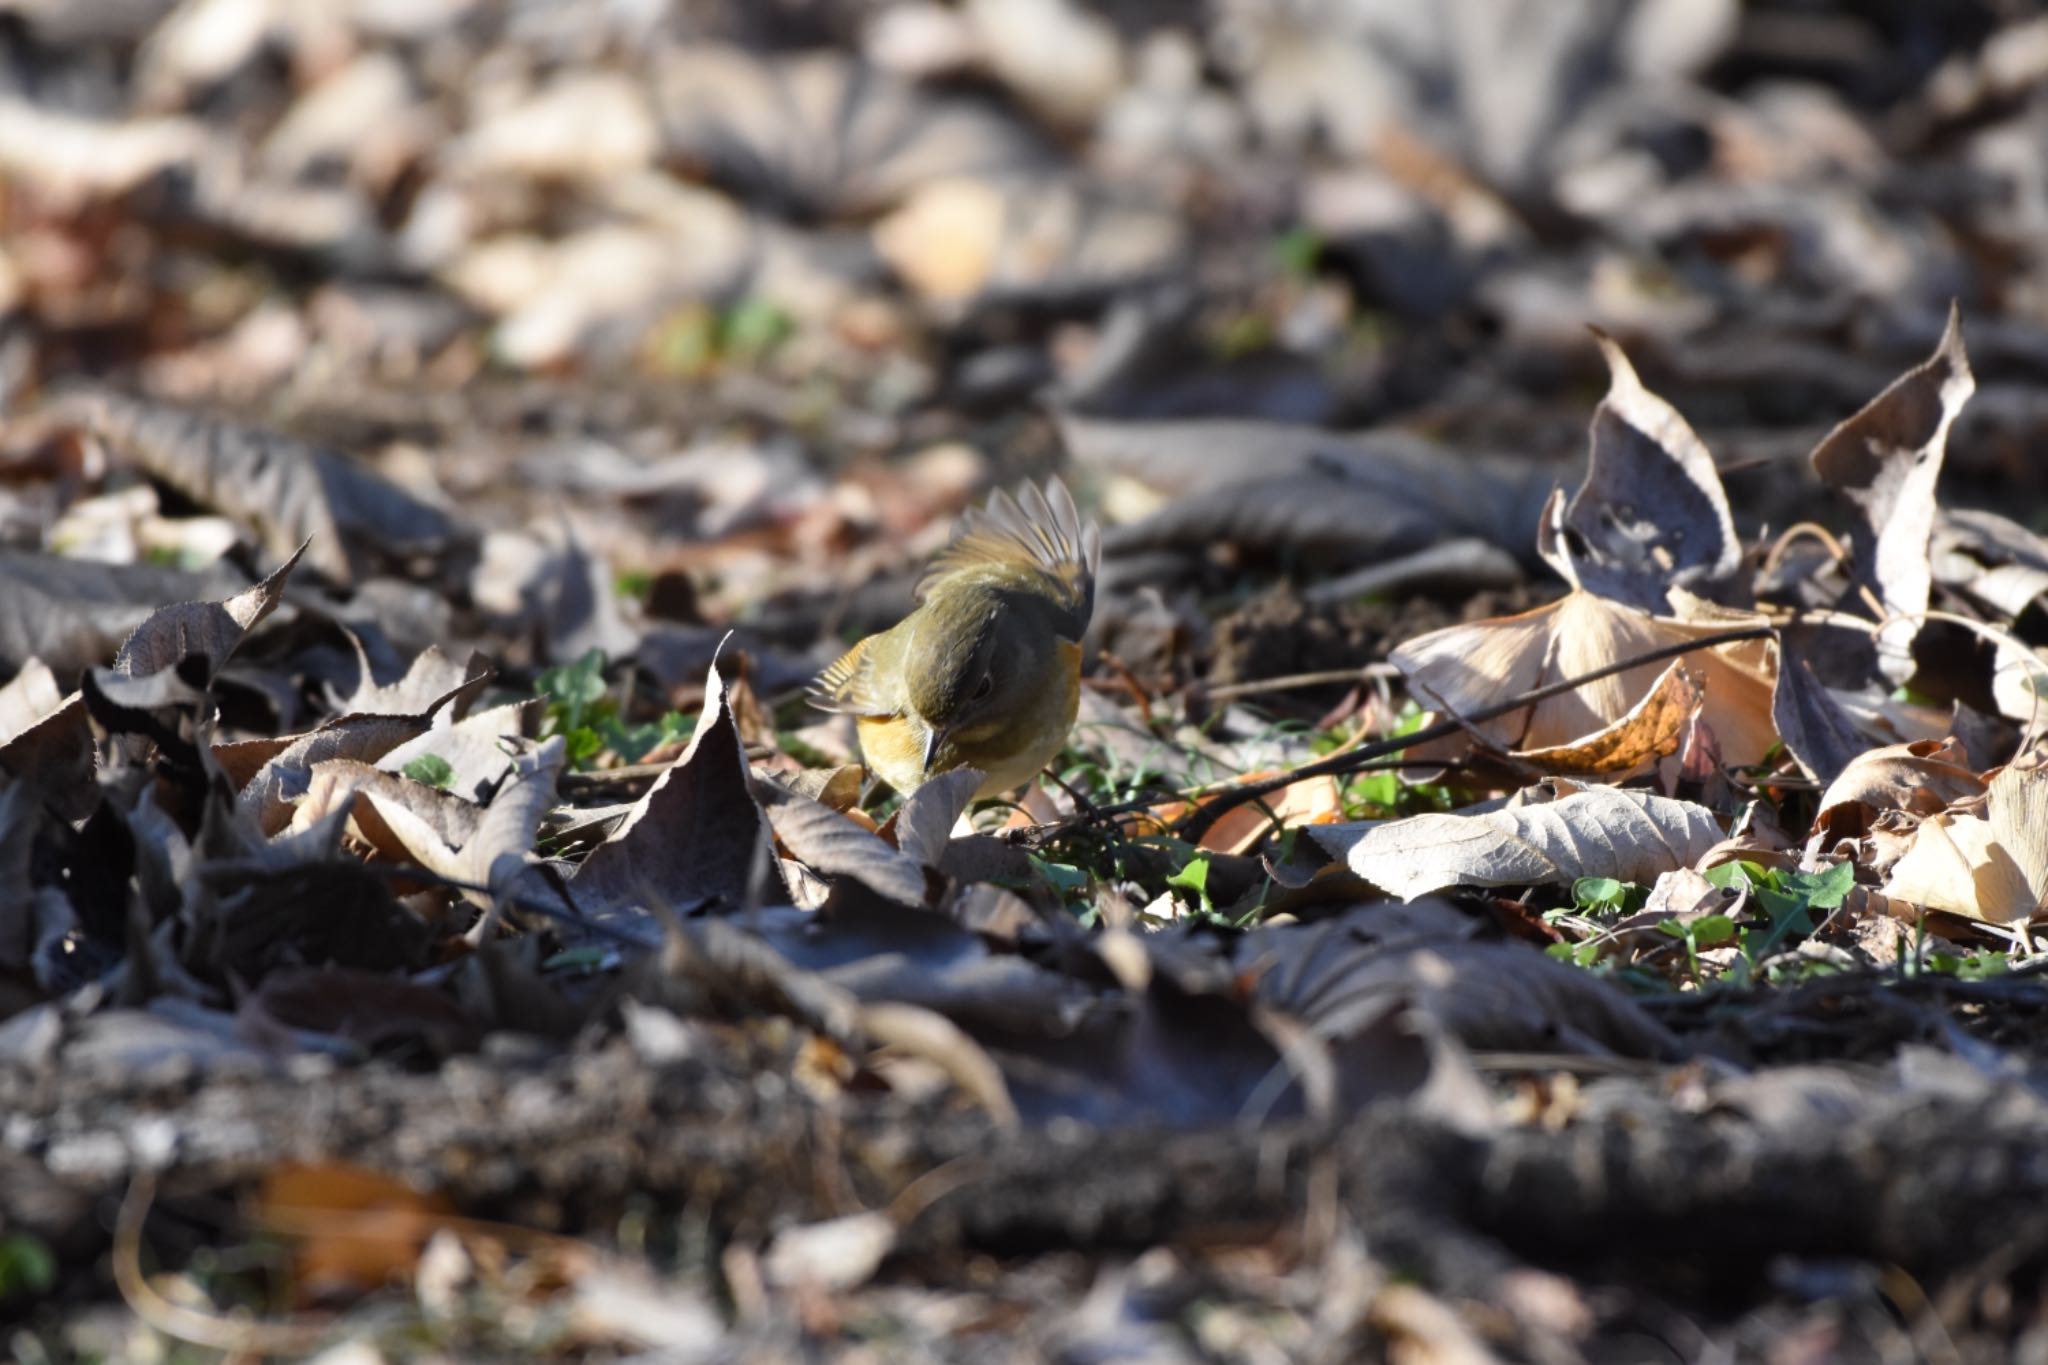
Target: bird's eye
x,y
984,687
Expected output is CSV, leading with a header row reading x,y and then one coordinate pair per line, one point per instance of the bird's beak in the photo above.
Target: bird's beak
x,y
934,739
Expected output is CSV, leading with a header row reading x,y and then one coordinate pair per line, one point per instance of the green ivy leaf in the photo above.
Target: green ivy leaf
x,y
431,769
1600,893
1711,931
1193,878
1823,890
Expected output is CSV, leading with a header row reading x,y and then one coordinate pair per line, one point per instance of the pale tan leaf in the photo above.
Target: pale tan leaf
x,y
1955,864
1631,836
1993,867
1921,778
1462,669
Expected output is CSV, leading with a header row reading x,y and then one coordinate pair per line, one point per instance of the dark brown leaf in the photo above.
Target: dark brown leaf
x,y
695,838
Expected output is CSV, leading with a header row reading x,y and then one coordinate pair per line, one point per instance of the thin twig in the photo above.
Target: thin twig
x,y
1187,794
1231,691
236,1336
1229,798
1802,530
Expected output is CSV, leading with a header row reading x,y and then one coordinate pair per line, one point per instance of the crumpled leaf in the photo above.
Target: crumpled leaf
x,y
276,786
1992,866
1817,732
1885,461
834,845
73,613
1461,669
1651,729
211,630
495,851
695,836
477,749
1651,513
1630,836
1923,777
345,784
296,497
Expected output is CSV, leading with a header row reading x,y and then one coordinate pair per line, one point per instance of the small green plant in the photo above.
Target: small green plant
x,y
1708,931
432,769
752,328
1606,896
1380,794
1787,899
27,1265
574,691
698,339
1976,965
1193,882
581,711
1787,905
633,743
1296,252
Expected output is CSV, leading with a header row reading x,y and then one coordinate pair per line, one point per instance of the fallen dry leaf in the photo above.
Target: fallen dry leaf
x,y
1924,777
1311,801
1651,729
1886,460
1991,867
1461,669
1651,514
354,1228
1630,836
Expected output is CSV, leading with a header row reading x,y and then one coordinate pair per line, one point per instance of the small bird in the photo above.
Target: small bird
x,y
986,672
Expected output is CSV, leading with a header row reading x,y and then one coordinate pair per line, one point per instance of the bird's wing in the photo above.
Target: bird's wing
x,y
1041,531
845,686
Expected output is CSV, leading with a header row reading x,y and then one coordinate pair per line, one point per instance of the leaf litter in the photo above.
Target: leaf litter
x,y
438,448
